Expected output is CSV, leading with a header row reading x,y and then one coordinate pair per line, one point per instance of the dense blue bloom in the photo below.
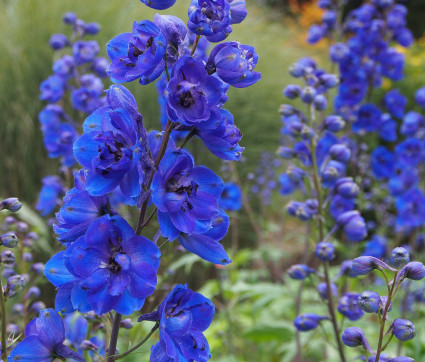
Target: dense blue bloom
x,y
210,18
109,268
369,302
234,64
52,89
308,321
231,197
64,67
412,123
395,102
367,117
183,315
410,151
88,98
348,306
193,95
354,336
138,54
186,196
79,210
112,146
159,4
387,128
44,337
50,194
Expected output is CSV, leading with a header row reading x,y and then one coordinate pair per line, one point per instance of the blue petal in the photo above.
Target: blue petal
x,y
118,46
97,185
66,352
129,304
205,247
50,328
168,230
63,301
56,272
31,349
86,149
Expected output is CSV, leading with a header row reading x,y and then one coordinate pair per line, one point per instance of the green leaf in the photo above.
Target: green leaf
x,y
269,332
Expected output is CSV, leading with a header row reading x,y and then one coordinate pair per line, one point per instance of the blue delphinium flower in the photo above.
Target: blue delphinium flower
x,y
79,210
231,197
395,102
109,268
353,225
58,41
193,95
44,340
186,196
112,145
300,271
85,51
412,123
410,209
183,315
383,162
52,89
88,97
325,251
210,18
308,321
137,55
234,64
50,194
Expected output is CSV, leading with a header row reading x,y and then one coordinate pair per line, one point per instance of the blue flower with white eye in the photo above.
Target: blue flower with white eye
x,y
186,196
137,55
183,315
109,268
44,340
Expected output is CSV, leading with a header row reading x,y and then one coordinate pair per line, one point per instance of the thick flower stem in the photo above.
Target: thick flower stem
x,y
114,337
131,350
384,317
195,44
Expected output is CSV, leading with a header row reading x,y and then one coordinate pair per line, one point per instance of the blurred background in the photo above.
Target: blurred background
x,y
277,29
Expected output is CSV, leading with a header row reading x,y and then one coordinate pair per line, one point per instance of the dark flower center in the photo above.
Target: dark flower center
x,y
186,99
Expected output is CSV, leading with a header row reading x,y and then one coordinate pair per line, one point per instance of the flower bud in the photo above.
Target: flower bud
x,y
11,204
348,306
365,264
58,41
69,18
292,91
403,329
308,94
347,188
127,323
307,133
401,359
33,292
92,28
296,70
308,321
298,210
320,102
340,153
312,206
16,282
8,272
399,257
353,225
7,257
22,227
325,251
300,271
413,270
18,308
334,123
329,175
369,302
296,174
37,268
322,288
286,152
286,110
27,257
354,336
37,307
9,240
12,329
87,345
329,80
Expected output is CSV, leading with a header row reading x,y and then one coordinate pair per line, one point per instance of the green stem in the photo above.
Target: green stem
x,y
195,44
388,342
384,317
131,350
3,323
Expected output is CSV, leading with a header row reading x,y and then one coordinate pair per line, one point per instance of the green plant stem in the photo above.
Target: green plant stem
x,y
388,342
384,317
114,337
131,350
3,323
403,314
330,303
195,44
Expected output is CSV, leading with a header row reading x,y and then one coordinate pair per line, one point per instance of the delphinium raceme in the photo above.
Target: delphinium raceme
x,y
108,268
74,90
318,153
